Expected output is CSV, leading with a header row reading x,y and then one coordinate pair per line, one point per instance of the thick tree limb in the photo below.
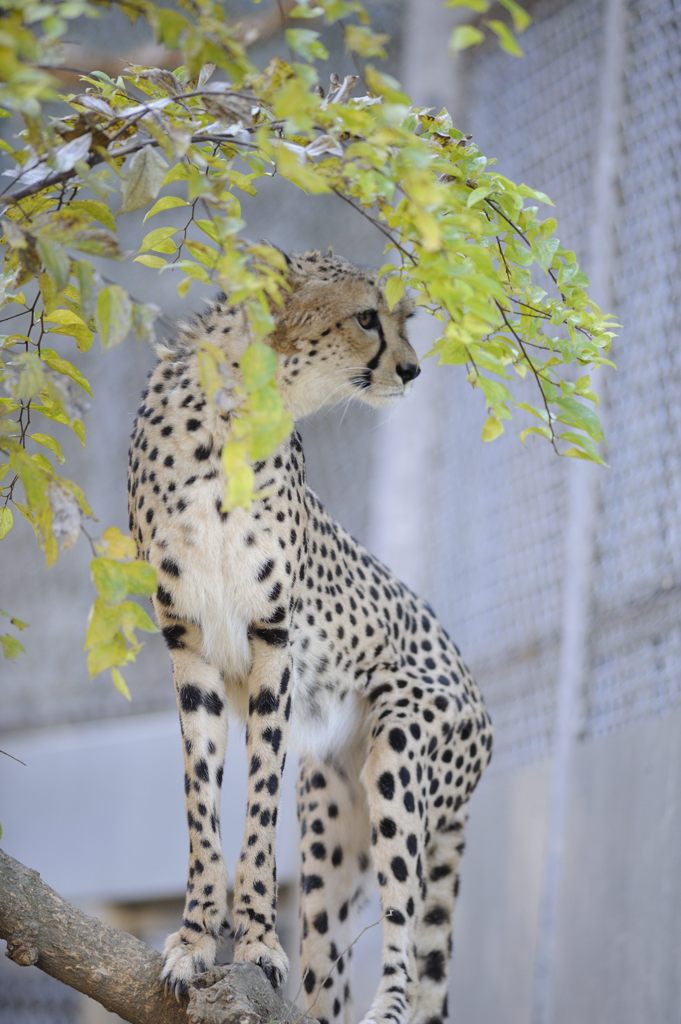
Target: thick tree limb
x,y
117,970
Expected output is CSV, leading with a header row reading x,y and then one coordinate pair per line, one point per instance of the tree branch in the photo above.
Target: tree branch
x,y
117,970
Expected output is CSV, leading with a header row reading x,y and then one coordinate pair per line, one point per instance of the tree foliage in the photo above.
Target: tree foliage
x,y
510,299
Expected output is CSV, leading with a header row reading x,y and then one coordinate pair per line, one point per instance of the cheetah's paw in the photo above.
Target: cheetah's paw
x,y
268,955
184,958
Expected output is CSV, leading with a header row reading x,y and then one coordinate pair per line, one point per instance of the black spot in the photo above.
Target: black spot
x,y
434,966
312,882
264,704
173,637
193,424
190,697
201,769
318,781
437,916
275,636
272,784
399,869
171,567
388,828
310,981
203,452
386,785
397,740
265,570
163,597
212,703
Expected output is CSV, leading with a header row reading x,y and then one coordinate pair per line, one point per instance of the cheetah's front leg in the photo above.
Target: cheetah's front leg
x,y
255,888
203,723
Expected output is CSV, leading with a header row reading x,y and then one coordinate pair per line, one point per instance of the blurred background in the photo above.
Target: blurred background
x,y
559,580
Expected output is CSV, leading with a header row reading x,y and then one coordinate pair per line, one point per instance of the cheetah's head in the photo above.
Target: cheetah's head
x,y
337,339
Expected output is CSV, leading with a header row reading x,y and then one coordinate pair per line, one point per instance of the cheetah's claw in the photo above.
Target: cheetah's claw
x,y
185,960
270,958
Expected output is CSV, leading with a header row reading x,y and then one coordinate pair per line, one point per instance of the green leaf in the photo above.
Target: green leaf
x,y
507,40
159,240
479,6
11,647
55,260
114,315
306,43
492,428
478,194
393,290
65,368
120,684
465,36
574,414
114,580
31,375
584,444
143,178
361,40
149,260
164,203
107,655
258,365
521,19
72,325
6,521
51,444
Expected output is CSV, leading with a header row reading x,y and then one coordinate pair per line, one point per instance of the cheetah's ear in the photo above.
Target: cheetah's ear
x,y
289,261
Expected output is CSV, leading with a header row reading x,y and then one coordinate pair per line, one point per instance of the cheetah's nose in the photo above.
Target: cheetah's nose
x,y
408,372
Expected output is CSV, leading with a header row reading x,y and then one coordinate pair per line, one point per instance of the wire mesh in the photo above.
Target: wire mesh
x,y
636,639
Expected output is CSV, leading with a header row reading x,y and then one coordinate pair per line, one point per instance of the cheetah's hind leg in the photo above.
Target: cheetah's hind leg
x,y
433,935
334,844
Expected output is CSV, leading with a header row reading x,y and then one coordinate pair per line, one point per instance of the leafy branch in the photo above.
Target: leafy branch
x,y
198,134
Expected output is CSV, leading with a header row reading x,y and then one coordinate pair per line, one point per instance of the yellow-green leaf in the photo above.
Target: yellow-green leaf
x,y
164,203
120,684
521,19
507,40
113,315
493,428
6,521
50,443
11,647
143,178
464,36
55,260
71,324
66,368
118,545
393,290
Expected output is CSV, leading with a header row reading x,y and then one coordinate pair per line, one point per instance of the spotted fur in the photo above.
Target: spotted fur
x,y
281,616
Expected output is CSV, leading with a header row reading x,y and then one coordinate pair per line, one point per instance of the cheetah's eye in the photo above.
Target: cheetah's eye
x,y
368,319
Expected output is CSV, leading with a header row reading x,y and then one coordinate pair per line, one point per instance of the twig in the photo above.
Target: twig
x,y
535,371
17,759
376,223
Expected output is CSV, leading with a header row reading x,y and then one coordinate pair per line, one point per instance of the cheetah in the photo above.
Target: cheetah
x,y
278,615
